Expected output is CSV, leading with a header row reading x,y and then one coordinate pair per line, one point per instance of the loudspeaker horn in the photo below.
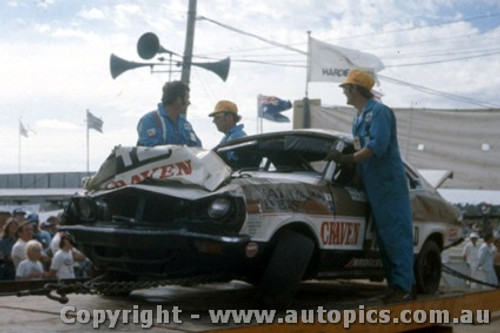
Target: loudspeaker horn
x,y
118,65
148,46
221,68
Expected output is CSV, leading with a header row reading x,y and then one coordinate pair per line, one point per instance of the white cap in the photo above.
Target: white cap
x,y
473,235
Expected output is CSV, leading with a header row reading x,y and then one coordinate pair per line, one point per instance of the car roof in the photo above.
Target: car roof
x,y
319,133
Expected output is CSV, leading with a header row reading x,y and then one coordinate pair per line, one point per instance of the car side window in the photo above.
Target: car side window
x,y
267,165
319,166
345,175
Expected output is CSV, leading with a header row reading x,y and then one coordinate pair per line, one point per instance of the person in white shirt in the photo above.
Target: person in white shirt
x,y
24,234
31,268
62,262
470,255
54,243
486,258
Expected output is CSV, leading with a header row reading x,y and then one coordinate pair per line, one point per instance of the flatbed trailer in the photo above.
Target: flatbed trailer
x,y
318,307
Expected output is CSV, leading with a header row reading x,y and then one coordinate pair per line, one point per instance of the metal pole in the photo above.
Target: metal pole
x,y
305,101
257,120
308,62
188,47
410,125
87,124
19,149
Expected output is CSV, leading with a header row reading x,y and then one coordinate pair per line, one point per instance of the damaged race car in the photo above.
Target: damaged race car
x,y
266,209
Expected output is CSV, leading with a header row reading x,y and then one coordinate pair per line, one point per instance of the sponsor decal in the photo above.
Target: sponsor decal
x,y
291,198
338,72
340,233
251,250
453,233
179,169
134,165
356,195
368,117
151,132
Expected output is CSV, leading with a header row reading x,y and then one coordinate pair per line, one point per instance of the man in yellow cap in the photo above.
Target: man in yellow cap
x,y
382,172
226,118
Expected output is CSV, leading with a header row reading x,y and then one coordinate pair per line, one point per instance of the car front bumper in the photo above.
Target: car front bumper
x,y
167,253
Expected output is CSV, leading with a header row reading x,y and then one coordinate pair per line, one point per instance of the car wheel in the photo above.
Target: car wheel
x,y
286,268
428,268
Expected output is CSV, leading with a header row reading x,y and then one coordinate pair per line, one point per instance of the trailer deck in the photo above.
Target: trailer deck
x,y
317,305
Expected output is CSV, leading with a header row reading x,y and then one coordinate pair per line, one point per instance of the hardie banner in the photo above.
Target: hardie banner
x,y
331,63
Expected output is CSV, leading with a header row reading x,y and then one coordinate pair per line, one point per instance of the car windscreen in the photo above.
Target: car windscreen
x,y
282,154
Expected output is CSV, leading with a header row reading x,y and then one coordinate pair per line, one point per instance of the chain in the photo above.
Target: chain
x,y
100,286
459,275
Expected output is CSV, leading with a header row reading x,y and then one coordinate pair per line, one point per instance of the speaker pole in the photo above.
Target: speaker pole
x,y
188,47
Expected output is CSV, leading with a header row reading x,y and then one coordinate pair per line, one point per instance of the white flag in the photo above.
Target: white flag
x,y
22,130
327,62
94,122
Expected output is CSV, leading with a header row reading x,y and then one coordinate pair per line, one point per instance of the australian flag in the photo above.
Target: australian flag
x,y
270,108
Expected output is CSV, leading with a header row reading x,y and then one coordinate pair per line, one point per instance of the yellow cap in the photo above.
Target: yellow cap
x,y
359,78
225,106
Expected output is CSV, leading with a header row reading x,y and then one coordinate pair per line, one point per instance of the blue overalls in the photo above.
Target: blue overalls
x,y
234,133
156,128
386,186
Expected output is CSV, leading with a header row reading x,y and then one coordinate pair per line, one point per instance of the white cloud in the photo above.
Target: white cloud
x,y
71,34
92,14
46,3
55,124
42,28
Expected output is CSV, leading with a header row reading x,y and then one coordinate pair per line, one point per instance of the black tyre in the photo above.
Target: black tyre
x,y
428,268
286,268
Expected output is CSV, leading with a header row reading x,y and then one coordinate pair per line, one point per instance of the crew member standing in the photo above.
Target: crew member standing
x,y
486,257
381,169
225,117
470,255
168,124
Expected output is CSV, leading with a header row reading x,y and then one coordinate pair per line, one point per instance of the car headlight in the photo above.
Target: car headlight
x,y
86,209
219,208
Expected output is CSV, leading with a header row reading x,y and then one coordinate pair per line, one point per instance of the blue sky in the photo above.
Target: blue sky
x,y
55,64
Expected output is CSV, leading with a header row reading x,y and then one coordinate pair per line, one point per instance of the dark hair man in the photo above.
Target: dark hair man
x,y
168,124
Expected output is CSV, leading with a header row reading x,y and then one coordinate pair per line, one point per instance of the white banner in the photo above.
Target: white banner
x,y
327,62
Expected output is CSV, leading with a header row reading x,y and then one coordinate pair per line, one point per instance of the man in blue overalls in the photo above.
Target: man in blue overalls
x,y
226,118
381,169
168,124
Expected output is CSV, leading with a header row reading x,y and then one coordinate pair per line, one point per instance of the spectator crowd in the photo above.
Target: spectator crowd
x,y
34,249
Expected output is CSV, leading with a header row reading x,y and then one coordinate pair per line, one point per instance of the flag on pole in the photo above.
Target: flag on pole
x,y
270,108
22,130
93,122
331,63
